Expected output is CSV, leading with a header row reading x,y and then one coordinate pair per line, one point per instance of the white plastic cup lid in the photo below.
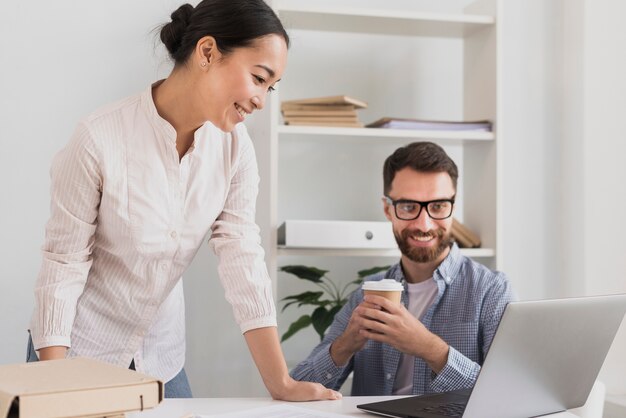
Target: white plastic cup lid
x,y
384,285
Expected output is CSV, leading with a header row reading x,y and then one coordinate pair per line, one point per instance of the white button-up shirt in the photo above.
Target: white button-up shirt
x,y
127,218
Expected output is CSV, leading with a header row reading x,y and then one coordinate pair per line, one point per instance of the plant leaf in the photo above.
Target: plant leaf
x,y
302,296
306,298
322,319
302,322
317,303
373,270
304,272
336,309
319,319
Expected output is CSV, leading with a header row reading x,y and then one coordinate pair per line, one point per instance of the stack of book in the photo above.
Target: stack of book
x,y
463,236
323,111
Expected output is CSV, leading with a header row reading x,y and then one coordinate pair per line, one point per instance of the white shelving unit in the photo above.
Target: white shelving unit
x,y
409,48
477,32
376,20
334,133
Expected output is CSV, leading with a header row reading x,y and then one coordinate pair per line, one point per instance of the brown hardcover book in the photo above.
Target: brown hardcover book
x,y
462,231
342,124
330,100
322,119
314,107
475,239
463,240
460,239
334,113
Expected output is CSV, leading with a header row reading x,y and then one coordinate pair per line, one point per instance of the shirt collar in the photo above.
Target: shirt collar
x,y
449,268
447,271
158,122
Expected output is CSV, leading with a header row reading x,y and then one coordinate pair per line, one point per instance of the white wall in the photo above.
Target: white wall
x,y
564,174
604,171
60,60
526,125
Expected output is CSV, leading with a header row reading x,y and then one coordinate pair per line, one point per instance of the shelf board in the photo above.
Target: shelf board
x,y
381,21
328,132
367,252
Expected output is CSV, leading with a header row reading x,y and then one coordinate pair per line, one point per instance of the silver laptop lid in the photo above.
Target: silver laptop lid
x,y
545,356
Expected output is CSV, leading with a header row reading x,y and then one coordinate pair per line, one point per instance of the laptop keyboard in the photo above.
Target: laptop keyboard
x,y
454,409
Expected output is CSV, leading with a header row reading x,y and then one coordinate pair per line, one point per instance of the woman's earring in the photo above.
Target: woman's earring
x,y
203,64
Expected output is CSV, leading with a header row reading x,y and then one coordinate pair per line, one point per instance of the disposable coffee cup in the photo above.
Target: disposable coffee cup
x,y
387,288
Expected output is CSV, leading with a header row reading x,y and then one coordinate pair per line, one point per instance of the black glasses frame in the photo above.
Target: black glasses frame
x,y
422,205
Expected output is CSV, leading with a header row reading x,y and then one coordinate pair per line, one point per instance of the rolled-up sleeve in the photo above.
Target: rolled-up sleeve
x,y
458,373
75,192
236,241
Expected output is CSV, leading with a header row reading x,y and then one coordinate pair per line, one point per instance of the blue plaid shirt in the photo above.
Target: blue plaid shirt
x,y
465,314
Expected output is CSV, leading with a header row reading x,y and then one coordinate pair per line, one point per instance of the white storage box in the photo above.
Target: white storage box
x,y
336,234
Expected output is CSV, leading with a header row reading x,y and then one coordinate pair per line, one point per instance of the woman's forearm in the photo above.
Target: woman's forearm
x,y
268,356
55,352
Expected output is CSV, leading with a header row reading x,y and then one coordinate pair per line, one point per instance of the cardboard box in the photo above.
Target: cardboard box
x,y
75,387
336,234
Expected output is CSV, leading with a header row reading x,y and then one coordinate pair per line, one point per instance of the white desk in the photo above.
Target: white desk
x,y
176,408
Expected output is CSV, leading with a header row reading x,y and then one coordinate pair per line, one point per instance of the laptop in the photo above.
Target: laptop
x,y
544,359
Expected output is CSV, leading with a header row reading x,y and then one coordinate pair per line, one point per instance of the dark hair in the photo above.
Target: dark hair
x,y
420,156
233,24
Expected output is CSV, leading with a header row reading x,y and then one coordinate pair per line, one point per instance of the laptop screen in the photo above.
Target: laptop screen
x,y
544,358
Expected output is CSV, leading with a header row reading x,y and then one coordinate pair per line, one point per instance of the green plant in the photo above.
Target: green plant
x,y
327,302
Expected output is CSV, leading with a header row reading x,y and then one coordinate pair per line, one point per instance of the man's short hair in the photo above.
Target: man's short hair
x,y
420,156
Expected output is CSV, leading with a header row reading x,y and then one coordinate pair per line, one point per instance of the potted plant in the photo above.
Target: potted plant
x,y
327,301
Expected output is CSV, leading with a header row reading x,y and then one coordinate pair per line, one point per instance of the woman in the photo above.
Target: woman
x,y
140,184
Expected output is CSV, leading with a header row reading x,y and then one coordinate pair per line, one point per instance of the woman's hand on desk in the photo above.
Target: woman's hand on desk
x,y
268,357
305,391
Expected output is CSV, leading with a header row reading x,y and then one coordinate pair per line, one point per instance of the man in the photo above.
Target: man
x,y
451,306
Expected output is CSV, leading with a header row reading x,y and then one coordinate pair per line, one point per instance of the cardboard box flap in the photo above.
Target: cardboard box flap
x,y
75,387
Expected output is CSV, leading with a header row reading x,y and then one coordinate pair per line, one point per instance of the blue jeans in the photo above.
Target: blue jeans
x,y
178,387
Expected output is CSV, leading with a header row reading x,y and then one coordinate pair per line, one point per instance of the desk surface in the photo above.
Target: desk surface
x,y
176,408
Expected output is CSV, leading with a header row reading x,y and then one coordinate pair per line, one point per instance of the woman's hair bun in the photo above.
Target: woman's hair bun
x,y
232,23
172,33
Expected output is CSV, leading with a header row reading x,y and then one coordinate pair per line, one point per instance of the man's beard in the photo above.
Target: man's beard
x,y
423,254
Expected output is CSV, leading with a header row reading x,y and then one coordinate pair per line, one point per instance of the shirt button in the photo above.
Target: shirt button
x,y
173,234
329,376
388,376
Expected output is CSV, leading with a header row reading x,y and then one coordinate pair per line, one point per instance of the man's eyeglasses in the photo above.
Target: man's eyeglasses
x,y
407,210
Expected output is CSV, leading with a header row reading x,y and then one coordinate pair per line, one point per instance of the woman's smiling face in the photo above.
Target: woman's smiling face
x,y
235,85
